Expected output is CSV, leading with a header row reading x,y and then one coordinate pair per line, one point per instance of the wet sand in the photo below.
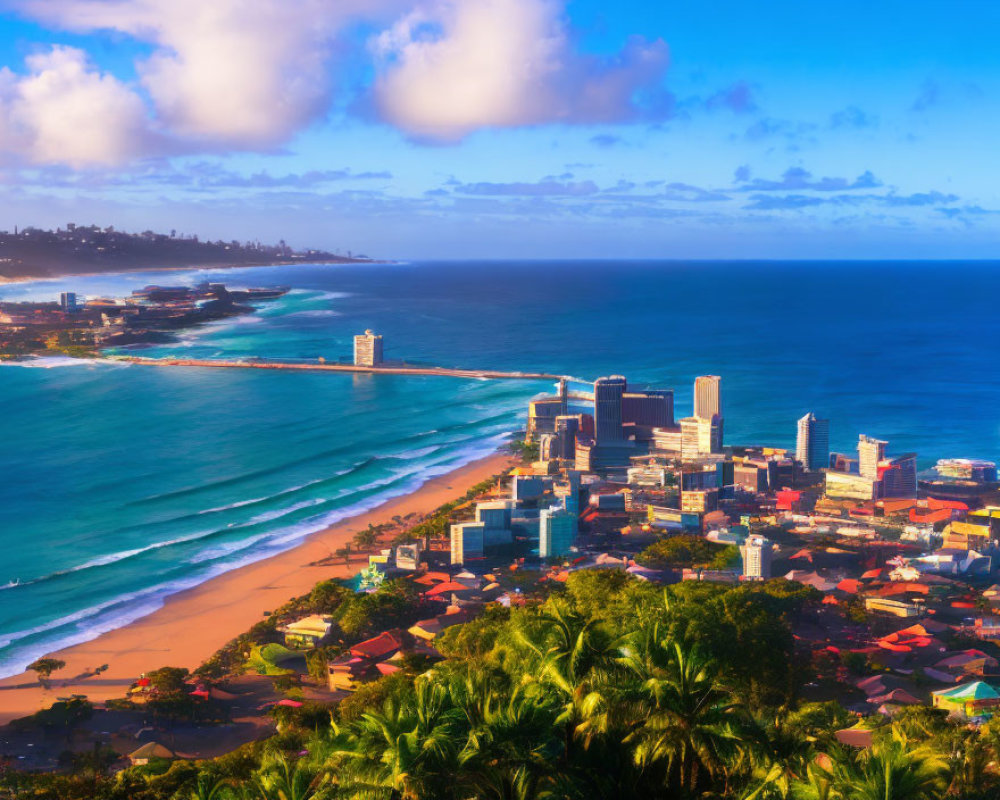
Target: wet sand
x,y
192,625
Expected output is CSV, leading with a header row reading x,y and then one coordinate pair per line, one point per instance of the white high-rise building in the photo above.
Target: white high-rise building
x,y
367,349
871,452
812,446
707,397
757,553
700,437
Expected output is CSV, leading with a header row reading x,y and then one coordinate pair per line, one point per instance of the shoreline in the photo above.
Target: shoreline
x,y
4,280
195,623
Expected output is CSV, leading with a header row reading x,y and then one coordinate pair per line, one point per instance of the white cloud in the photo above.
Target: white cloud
x,y
249,74
460,65
63,111
244,73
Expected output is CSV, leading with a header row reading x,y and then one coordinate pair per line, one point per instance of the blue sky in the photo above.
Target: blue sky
x,y
510,128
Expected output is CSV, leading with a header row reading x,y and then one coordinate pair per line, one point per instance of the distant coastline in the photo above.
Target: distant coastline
x,y
125,270
35,254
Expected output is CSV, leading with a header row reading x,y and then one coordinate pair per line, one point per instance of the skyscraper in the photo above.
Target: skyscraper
x,y
757,555
812,446
608,409
67,301
367,349
556,532
870,453
707,397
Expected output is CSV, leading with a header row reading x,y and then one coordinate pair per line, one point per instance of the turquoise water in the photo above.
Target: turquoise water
x,y
122,484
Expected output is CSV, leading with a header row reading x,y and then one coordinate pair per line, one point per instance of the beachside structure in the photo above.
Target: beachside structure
x,y
148,752
307,632
368,349
969,700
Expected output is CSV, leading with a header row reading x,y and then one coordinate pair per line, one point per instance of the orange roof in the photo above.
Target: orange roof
x,y
450,586
933,502
381,645
872,574
430,578
849,585
939,515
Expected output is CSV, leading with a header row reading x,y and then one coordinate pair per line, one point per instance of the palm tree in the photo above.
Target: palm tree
x,y
283,778
891,770
511,743
408,750
692,728
574,656
210,787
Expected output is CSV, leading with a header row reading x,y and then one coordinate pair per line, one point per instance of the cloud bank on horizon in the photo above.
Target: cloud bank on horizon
x,y
411,126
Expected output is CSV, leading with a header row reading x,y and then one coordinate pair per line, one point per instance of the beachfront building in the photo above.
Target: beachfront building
x,y
466,541
757,553
367,349
969,700
307,632
812,445
556,532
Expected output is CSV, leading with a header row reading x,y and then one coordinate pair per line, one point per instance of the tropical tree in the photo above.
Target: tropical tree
x,y
692,728
891,770
283,778
409,749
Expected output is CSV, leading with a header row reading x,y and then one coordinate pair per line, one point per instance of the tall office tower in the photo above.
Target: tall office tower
x,y
367,349
653,408
812,446
67,301
707,397
757,554
608,409
567,427
556,532
870,453
700,437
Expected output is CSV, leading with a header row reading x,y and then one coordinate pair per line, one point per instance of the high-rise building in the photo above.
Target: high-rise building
x,y
608,394
556,532
707,397
757,554
467,541
653,408
700,437
870,453
812,446
368,349
567,428
67,301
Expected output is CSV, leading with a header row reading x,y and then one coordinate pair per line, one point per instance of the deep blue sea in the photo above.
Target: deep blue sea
x,y
120,484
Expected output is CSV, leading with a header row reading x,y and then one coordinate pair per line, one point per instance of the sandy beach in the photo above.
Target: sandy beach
x,y
194,624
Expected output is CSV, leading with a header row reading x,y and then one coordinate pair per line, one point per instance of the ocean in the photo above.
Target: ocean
x,y
122,484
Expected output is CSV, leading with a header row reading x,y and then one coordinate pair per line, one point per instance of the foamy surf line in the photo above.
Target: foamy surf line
x,y
90,623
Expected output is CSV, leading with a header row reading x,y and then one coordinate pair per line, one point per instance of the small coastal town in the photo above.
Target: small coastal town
x,y
864,591
82,327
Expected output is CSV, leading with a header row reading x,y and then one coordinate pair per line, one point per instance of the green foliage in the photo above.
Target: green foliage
x,y
393,602
44,667
267,659
686,551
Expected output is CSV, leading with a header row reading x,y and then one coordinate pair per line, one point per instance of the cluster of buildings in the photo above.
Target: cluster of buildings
x,y
144,316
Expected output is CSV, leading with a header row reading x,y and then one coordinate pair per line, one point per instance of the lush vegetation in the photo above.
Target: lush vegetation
x,y
689,551
609,688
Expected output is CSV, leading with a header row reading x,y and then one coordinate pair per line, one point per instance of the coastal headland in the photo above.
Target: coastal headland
x,y
194,624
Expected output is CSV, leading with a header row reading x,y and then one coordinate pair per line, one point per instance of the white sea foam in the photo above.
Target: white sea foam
x,y
89,623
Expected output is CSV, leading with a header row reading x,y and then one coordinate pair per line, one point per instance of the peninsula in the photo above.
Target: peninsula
x,y
32,253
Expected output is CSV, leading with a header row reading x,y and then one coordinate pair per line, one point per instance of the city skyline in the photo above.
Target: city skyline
x,y
508,128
